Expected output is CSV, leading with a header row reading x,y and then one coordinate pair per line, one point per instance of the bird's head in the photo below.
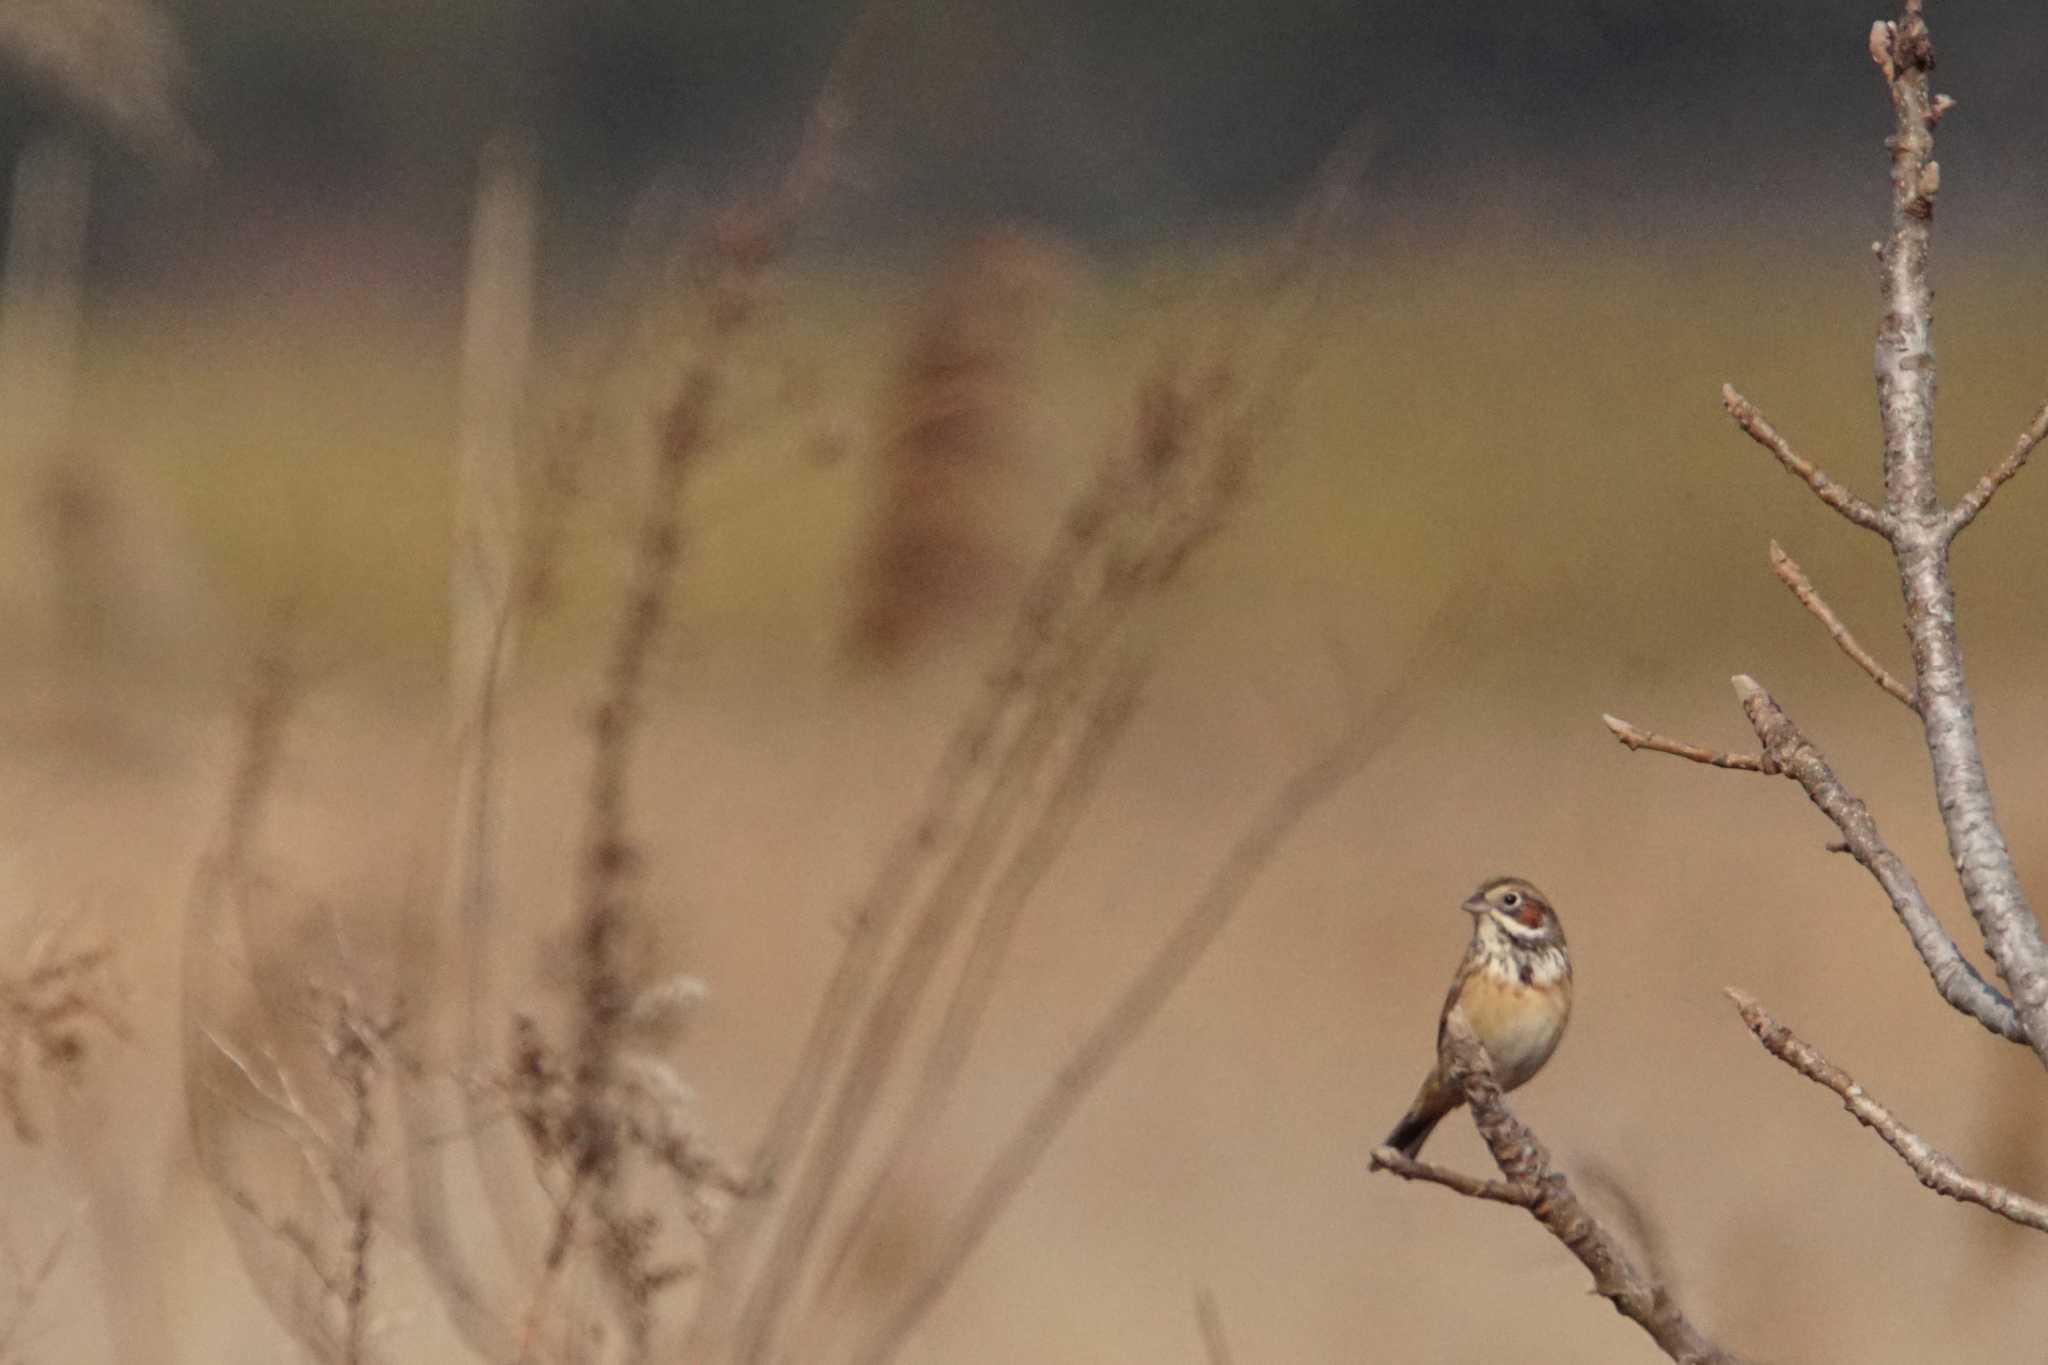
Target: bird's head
x,y
1517,911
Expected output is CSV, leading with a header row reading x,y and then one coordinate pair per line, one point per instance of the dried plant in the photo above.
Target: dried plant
x,y
316,1271
934,551
1215,1340
23,1290
55,999
595,1112
1012,781
634,1201
302,1074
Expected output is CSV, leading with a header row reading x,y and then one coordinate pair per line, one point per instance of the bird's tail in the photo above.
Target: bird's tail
x,y
1412,1131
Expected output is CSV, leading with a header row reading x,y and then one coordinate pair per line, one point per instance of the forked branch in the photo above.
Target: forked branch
x,y
1532,1184
1934,1169
1919,530
1793,755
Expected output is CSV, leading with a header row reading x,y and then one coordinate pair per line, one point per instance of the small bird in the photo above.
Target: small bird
x,y
1515,987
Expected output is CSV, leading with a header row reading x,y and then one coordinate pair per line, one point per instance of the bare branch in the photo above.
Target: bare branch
x,y
1525,1162
1792,754
1471,1186
1920,530
1935,1170
1792,576
1835,495
1971,503
1713,758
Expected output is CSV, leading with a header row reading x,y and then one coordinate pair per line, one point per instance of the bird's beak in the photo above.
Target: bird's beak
x,y
1476,906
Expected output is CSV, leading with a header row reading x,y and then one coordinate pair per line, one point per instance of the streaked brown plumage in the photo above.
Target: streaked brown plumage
x,y
1515,988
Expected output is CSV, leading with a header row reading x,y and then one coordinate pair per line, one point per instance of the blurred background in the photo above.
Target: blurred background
x,y
249,335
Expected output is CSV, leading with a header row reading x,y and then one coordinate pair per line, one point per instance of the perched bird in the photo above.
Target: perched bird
x,y
1515,987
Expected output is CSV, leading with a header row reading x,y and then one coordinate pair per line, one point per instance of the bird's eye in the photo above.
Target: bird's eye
x,y
1511,899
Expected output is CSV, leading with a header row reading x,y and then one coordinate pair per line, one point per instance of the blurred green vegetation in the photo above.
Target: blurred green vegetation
x,y
1542,419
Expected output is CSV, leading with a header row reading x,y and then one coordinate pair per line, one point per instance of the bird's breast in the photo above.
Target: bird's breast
x,y
1518,1025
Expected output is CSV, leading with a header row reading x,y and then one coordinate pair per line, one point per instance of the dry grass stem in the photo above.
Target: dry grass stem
x,y
1078,773
25,1287
949,807
1125,542
1133,1010
1713,758
1934,1169
1121,543
729,267
332,1318
1215,1339
1526,1163
1185,467
592,1140
322,1290
1793,577
1834,494
1646,1231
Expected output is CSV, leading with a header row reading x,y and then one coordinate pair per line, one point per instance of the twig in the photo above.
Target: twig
x,y
1713,758
1795,756
1471,1186
1971,503
1525,1162
1209,1317
1835,495
1935,1170
1792,576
